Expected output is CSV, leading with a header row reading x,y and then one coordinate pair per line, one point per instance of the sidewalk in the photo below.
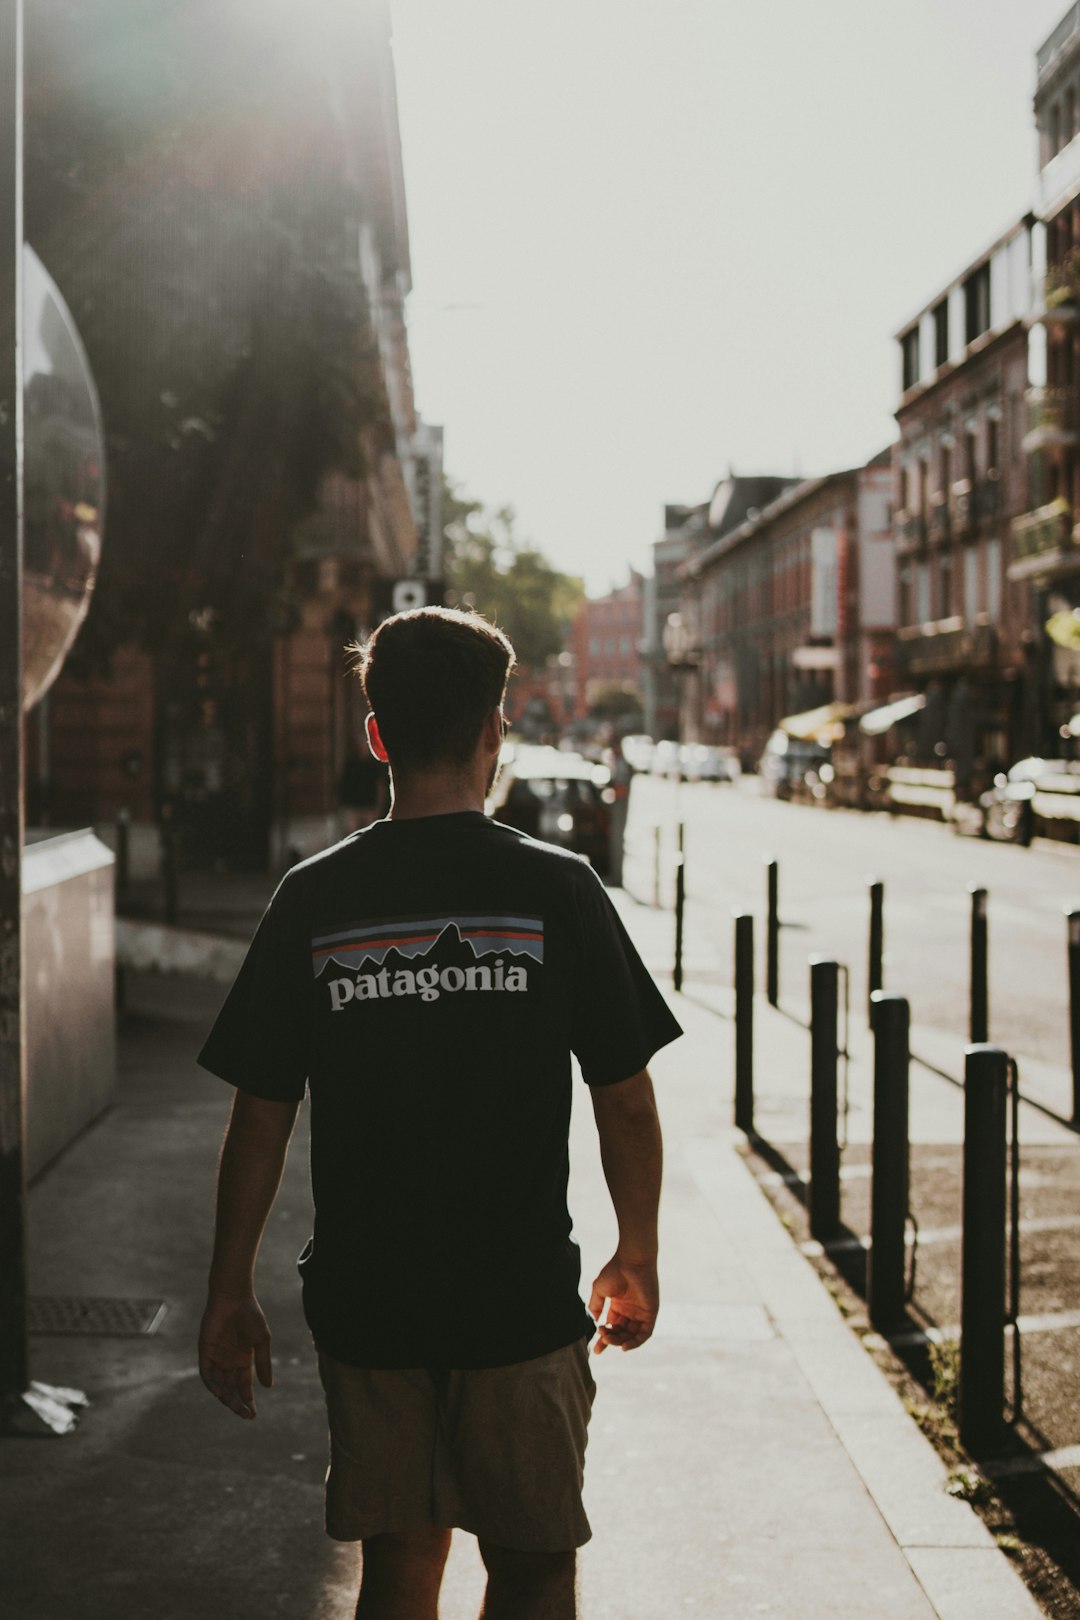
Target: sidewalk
x,y
750,1461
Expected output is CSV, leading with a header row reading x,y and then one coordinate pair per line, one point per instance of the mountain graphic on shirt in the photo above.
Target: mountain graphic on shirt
x,y
411,938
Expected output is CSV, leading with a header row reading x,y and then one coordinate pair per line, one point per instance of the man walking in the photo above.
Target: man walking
x,y
426,981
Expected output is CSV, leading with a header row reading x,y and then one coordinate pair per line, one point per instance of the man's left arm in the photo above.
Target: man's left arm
x,y
234,1332
631,1152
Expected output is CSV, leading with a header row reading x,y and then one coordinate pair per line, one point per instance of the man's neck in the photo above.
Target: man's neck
x,y
434,793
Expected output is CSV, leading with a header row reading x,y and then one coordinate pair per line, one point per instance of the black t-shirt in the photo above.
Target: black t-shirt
x,y
428,980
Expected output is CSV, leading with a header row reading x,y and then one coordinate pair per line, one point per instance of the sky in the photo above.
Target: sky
x,y
655,240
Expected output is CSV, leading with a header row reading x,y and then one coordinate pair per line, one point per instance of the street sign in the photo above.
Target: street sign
x,y
408,594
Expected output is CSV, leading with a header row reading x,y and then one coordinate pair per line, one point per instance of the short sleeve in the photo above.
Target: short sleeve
x,y
261,1038
620,1017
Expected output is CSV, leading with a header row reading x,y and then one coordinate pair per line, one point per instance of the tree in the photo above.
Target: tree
x,y
507,579
191,191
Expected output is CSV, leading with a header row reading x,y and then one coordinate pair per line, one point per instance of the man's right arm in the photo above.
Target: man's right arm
x,y
631,1151
234,1333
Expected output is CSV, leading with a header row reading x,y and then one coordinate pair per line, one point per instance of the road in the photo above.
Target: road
x,y
826,859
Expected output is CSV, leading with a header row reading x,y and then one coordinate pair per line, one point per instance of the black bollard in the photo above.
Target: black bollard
x,y
123,852
824,1202
982,1265
744,1022
890,1020
680,906
772,933
1072,918
168,864
874,973
979,1002
657,899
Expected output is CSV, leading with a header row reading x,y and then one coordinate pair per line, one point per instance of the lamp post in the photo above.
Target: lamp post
x,y
14,1367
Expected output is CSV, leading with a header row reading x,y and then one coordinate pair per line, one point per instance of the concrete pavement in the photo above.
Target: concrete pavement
x,y
750,1461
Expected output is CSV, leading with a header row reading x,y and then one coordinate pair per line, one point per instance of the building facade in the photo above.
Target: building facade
x,y
792,609
673,707
960,481
605,644
1044,562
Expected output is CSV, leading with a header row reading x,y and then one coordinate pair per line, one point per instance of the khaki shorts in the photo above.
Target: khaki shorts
x,y
498,1451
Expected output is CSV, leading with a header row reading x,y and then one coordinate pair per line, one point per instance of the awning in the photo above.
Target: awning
x,y
879,720
822,726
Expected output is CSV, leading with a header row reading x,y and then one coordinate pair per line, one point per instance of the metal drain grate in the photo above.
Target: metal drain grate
x,y
121,1318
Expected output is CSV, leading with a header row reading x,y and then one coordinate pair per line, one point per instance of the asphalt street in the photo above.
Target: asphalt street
x,y
826,859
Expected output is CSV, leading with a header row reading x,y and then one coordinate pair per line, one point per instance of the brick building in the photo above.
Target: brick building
x,y
791,609
605,641
960,480
688,531
1044,563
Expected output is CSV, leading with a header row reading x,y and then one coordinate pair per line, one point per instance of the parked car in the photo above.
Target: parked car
x,y
786,761
1007,810
704,762
637,750
665,760
562,798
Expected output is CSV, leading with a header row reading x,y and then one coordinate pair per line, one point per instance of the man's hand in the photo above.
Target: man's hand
x,y
234,1334
632,1295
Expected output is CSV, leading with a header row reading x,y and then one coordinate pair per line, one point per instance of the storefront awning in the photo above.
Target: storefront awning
x,y
822,726
879,720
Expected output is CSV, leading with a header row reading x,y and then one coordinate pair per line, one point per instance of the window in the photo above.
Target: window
x,y
977,303
993,444
993,580
941,333
594,646
971,583
946,465
624,645
969,454
944,584
905,603
1070,115
922,592
909,355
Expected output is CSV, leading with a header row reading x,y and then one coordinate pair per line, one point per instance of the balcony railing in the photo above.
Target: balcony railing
x,y
1062,282
1052,418
1042,533
986,497
945,645
940,524
910,531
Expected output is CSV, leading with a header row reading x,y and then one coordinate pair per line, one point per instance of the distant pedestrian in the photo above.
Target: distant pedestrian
x,y
426,981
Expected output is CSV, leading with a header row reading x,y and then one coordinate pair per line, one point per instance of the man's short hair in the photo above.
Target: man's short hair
x,y
432,677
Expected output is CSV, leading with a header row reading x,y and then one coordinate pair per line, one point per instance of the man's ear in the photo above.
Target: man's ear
x,y
375,742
